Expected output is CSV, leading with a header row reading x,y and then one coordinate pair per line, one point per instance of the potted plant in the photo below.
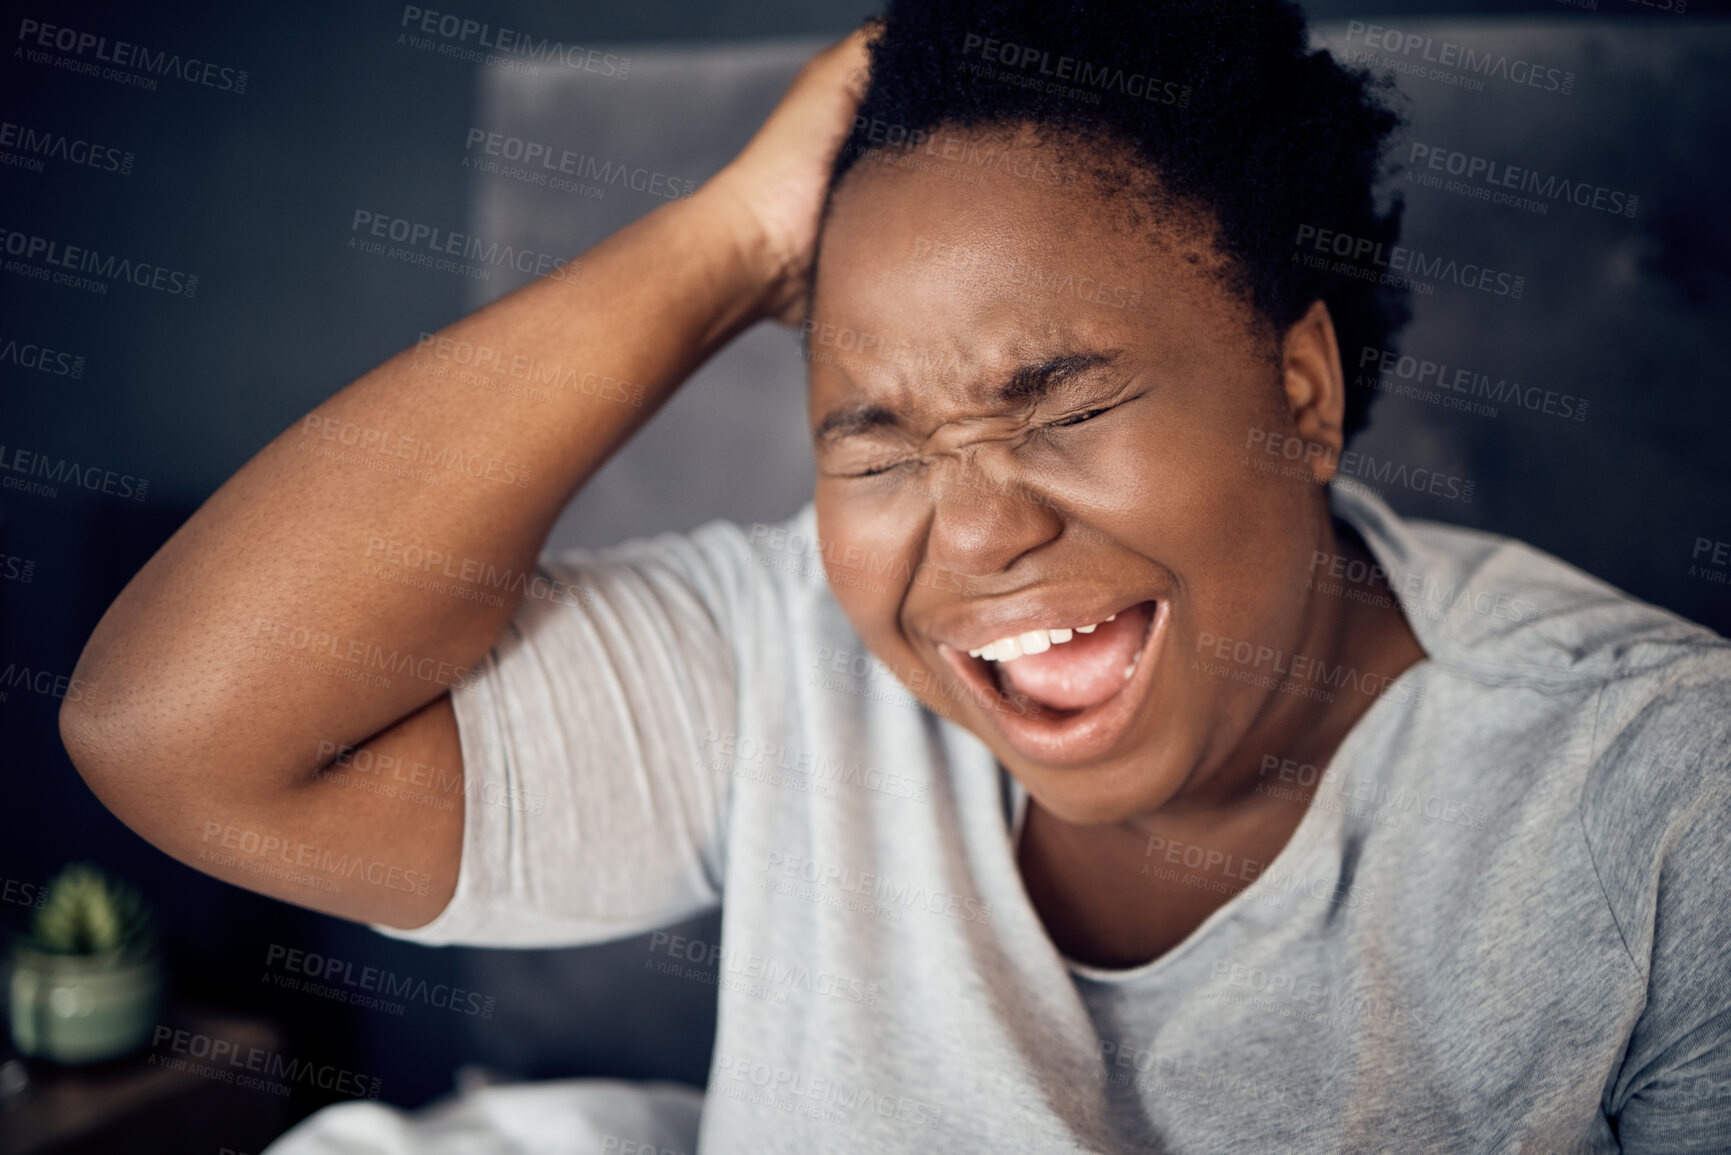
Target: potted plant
x,y
87,978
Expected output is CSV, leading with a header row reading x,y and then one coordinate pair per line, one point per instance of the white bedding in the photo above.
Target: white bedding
x,y
604,1116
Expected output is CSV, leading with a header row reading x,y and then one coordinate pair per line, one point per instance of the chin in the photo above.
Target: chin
x,y
1106,796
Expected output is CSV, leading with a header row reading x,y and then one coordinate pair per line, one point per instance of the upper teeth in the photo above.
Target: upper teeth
x,y
1033,642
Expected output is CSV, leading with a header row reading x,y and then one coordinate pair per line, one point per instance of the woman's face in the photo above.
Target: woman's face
x,y
1029,415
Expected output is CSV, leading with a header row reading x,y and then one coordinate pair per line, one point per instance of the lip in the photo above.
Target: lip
x,y
1057,739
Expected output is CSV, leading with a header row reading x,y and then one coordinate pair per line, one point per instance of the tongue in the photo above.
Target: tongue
x,y
1084,671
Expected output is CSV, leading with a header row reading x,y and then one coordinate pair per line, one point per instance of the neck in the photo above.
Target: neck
x,y
1087,882
1366,636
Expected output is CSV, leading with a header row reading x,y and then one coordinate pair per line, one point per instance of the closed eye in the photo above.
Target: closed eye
x,y
1078,418
887,467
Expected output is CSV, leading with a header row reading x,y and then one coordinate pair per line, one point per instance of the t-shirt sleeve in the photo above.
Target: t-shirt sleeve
x,y
589,812
1669,861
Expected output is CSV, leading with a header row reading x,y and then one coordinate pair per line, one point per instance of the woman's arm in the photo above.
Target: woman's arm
x,y
266,635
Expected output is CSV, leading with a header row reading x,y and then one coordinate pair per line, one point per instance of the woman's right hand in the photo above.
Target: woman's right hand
x,y
779,179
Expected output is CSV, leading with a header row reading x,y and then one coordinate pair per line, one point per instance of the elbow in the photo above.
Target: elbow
x,y
108,746
122,760
115,757
88,736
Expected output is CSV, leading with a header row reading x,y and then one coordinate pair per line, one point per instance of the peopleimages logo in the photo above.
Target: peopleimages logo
x,y
376,981
37,144
29,355
1474,66
29,247
17,569
36,36
1368,259
28,463
44,682
263,848
541,161
172,1047
19,893
1497,176
1302,455
1024,57
1433,378
444,249
460,31
880,888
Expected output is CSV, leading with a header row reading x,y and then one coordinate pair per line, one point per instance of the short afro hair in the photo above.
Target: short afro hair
x,y
1223,102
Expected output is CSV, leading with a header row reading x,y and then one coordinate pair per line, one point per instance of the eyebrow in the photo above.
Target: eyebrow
x,y
1031,382
853,420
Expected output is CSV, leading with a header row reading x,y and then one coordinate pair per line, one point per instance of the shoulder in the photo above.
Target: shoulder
x,y
1633,698
1656,801
1649,692
1497,609
1503,607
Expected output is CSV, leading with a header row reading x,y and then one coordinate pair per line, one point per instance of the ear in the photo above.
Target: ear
x,y
1315,387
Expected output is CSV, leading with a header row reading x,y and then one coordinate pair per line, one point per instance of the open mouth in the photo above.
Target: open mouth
x,y
1067,695
1071,670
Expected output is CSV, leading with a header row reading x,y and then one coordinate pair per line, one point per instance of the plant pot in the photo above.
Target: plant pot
x,y
82,1008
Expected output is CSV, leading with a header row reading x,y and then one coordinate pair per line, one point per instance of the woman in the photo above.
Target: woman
x,y
1081,770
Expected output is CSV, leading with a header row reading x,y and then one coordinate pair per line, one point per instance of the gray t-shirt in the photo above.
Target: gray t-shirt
x,y
1503,924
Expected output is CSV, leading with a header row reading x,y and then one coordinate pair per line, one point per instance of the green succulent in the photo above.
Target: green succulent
x,y
88,912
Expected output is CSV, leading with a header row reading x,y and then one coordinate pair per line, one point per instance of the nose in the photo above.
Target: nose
x,y
984,517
